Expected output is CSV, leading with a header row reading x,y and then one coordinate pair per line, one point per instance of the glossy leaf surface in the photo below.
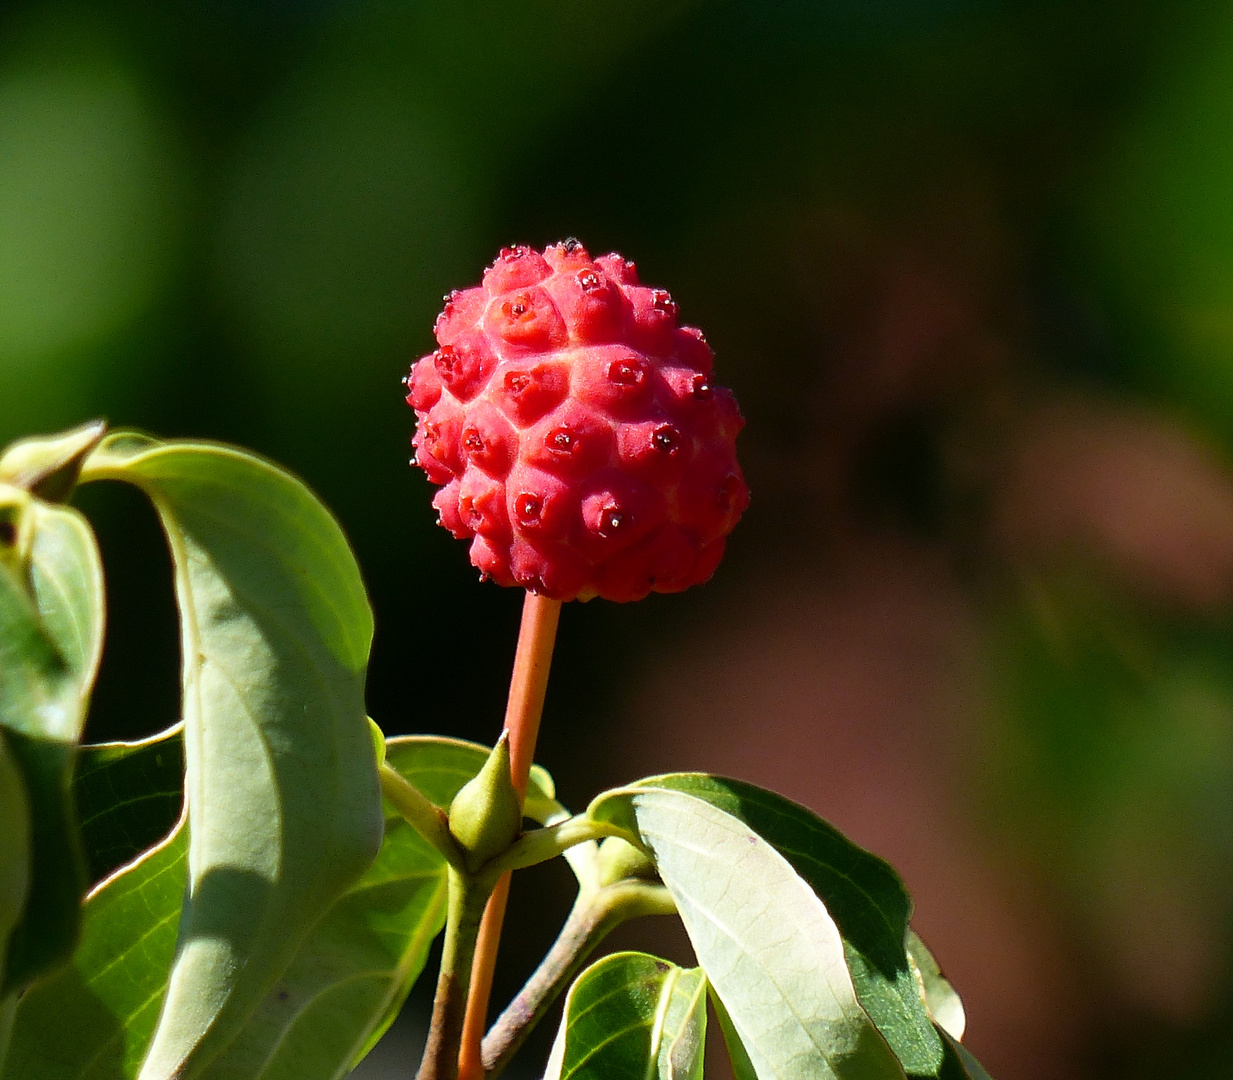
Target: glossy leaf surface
x,y
51,635
631,1016
768,944
284,808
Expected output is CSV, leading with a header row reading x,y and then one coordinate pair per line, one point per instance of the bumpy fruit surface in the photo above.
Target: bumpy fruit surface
x,y
575,432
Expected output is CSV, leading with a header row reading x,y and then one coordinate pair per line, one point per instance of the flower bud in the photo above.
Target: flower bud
x,y
486,815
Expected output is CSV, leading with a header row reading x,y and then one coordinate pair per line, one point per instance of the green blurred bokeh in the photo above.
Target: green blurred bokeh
x,y
910,228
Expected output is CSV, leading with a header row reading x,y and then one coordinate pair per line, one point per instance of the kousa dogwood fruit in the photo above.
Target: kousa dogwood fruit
x,y
575,431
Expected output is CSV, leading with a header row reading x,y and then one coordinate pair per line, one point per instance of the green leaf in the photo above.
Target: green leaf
x,y
352,974
128,797
766,941
51,634
864,896
47,466
109,996
936,992
284,806
631,1016
344,985
440,766
742,1067
960,1064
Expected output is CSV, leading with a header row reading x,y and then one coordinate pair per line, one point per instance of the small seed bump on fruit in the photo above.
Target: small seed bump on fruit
x,y
528,507
561,439
701,388
517,381
662,301
667,439
589,281
612,521
625,372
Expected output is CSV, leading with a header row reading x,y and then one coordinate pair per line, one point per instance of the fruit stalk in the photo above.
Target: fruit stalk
x,y
466,906
529,684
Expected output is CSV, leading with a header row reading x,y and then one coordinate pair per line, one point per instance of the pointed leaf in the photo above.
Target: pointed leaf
x,y
631,1016
284,806
48,466
128,797
766,941
51,634
863,894
960,1064
936,992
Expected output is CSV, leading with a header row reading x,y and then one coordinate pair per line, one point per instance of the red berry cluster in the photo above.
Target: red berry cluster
x,y
575,431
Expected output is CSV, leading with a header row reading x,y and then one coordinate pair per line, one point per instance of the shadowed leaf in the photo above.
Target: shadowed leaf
x,y
128,797
51,635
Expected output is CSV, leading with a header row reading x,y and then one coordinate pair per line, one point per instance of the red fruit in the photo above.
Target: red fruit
x,y
575,430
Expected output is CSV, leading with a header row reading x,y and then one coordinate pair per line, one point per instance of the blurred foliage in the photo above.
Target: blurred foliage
x,y
907,226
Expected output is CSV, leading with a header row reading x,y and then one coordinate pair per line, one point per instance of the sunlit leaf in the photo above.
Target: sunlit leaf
x,y
742,1067
340,992
764,938
863,895
284,806
937,993
631,1016
47,466
352,972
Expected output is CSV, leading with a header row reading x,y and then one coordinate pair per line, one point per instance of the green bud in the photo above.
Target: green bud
x,y
486,816
48,466
619,859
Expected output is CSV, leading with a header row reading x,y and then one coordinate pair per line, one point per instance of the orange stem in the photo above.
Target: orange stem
x,y
527,688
